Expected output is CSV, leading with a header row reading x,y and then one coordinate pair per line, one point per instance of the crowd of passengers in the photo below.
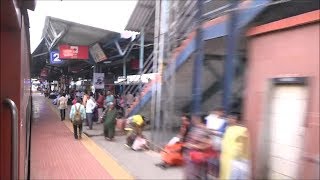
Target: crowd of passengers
x,y
215,144
96,107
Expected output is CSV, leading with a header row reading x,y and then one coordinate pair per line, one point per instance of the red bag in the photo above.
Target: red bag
x,y
202,156
173,155
74,101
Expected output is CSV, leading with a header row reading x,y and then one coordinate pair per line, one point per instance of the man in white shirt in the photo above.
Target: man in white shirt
x,y
90,106
217,124
62,105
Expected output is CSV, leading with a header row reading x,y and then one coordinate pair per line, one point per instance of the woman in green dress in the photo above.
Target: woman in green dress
x,y
110,122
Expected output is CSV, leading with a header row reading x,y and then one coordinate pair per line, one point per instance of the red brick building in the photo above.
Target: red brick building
x,y
281,105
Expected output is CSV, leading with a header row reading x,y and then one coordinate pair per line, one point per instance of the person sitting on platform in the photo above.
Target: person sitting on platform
x,y
137,122
172,154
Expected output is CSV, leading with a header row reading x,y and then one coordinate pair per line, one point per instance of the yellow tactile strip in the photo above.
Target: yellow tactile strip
x,y
105,159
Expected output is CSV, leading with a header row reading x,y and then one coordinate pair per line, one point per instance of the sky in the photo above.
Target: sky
x,y
106,14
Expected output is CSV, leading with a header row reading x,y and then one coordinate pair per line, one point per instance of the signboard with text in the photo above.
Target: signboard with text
x,y
73,52
98,80
97,53
54,57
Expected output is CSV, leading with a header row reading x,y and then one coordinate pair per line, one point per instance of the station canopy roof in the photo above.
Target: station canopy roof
x,y
57,32
143,16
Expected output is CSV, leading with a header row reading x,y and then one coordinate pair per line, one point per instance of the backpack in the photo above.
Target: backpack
x,y
77,115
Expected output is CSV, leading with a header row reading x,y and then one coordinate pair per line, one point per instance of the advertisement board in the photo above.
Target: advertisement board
x,y
73,52
98,80
97,53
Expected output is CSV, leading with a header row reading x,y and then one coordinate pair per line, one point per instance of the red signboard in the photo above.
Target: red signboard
x,y
73,52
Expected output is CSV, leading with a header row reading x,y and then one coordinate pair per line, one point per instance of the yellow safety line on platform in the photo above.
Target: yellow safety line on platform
x,y
104,158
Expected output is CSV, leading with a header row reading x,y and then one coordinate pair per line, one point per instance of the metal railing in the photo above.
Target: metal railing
x,y
147,68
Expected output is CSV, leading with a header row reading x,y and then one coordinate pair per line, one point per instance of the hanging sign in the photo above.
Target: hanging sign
x,y
73,52
98,80
54,57
97,53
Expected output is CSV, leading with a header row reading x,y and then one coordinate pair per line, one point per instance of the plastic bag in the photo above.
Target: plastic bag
x,y
240,169
139,144
174,140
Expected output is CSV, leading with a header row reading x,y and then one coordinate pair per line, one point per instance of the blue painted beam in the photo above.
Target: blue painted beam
x,y
198,64
143,101
231,49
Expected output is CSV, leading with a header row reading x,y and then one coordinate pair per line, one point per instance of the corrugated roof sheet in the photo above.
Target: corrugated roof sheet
x,y
77,34
71,33
141,15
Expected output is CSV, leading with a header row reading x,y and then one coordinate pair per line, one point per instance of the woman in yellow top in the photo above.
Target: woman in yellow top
x,y
137,122
235,145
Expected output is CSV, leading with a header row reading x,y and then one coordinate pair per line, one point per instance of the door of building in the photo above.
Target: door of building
x,y
287,113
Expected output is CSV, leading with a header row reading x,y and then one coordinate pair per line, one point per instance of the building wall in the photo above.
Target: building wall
x,y
290,52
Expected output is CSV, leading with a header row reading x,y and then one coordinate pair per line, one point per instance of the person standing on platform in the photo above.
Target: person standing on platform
x,y
85,98
235,150
100,102
90,106
62,105
78,94
130,99
77,115
197,150
110,122
109,99
217,124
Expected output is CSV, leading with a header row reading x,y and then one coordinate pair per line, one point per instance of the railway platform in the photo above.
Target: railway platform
x,y
55,154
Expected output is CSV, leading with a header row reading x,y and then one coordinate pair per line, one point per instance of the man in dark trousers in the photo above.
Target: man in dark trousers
x,y
77,116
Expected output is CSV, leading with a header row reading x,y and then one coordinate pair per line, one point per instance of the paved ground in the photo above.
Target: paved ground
x,y
55,154
141,165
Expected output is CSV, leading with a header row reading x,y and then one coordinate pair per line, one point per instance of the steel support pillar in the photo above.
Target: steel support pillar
x,y
231,57
141,58
67,79
154,100
124,73
163,25
198,64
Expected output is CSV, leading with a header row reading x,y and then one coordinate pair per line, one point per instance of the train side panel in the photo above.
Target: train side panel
x,y
14,84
